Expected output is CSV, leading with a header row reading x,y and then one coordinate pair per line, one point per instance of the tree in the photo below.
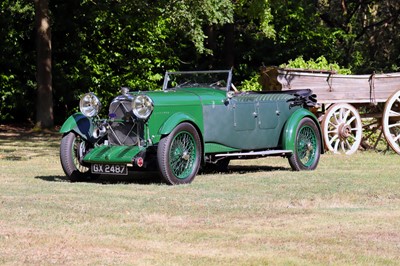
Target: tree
x,y
44,100
101,45
17,61
217,27
367,32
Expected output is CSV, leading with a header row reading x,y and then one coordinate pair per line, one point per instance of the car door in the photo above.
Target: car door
x,y
242,122
256,121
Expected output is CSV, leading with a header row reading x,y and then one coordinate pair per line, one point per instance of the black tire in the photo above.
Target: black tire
x,y
179,155
72,150
307,147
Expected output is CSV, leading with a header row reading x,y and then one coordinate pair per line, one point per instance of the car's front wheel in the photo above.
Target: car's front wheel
x,y
72,150
179,155
307,147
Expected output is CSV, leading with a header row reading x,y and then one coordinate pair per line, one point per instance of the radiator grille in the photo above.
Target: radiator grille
x,y
124,130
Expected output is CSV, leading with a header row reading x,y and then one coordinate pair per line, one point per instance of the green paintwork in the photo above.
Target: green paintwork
x,y
80,124
289,133
175,120
247,121
244,122
175,107
217,148
241,122
174,98
113,154
170,109
229,125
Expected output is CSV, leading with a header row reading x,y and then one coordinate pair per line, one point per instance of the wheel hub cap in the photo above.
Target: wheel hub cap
x,y
310,146
344,131
185,156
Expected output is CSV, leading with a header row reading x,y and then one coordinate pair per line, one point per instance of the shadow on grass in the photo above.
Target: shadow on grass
x,y
151,178
18,140
243,169
142,178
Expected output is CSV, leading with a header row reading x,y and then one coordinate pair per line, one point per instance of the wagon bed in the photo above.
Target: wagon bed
x,y
336,88
340,97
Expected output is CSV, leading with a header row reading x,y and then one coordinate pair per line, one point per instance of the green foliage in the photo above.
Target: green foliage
x,y
17,61
369,39
301,31
251,84
101,45
258,16
318,64
113,49
191,16
6,95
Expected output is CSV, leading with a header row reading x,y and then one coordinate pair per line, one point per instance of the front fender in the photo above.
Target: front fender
x,y
175,120
79,124
289,131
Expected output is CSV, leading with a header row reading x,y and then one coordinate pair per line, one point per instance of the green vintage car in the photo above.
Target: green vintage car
x,y
198,120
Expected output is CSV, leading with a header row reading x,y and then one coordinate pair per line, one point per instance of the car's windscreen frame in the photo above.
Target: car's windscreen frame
x,y
191,82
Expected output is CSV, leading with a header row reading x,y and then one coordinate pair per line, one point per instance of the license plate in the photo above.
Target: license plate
x,y
109,169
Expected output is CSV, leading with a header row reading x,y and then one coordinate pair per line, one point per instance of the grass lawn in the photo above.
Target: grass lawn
x,y
347,212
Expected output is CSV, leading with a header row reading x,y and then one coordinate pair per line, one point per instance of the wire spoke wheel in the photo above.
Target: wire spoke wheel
x,y
342,129
182,154
72,151
307,148
391,121
179,155
78,152
307,144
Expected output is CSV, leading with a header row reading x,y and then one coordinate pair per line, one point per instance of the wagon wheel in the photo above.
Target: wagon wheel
x,y
342,129
391,121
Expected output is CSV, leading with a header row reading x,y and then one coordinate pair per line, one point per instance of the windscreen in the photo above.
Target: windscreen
x,y
191,79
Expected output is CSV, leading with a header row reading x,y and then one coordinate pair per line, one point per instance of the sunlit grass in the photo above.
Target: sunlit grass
x,y
260,212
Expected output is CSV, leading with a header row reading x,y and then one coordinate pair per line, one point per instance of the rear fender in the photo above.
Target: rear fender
x,y
289,131
79,124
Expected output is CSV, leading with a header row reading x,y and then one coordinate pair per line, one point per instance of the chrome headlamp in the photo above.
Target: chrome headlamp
x,y
142,106
89,104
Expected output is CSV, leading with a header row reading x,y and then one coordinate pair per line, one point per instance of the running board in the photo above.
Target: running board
x,y
256,153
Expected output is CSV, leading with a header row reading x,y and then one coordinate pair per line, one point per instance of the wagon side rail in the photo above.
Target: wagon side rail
x,y
331,87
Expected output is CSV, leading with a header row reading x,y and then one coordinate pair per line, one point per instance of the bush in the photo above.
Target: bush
x,y
321,63
251,84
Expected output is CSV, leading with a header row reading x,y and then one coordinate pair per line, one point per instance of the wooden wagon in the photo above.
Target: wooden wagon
x,y
341,98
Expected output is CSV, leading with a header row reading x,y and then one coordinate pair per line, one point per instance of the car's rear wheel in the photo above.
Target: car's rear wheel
x,y
72,150
307,148
179,155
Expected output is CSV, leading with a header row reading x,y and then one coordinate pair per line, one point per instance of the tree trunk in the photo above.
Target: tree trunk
x,y
229,47
44,100
211,43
